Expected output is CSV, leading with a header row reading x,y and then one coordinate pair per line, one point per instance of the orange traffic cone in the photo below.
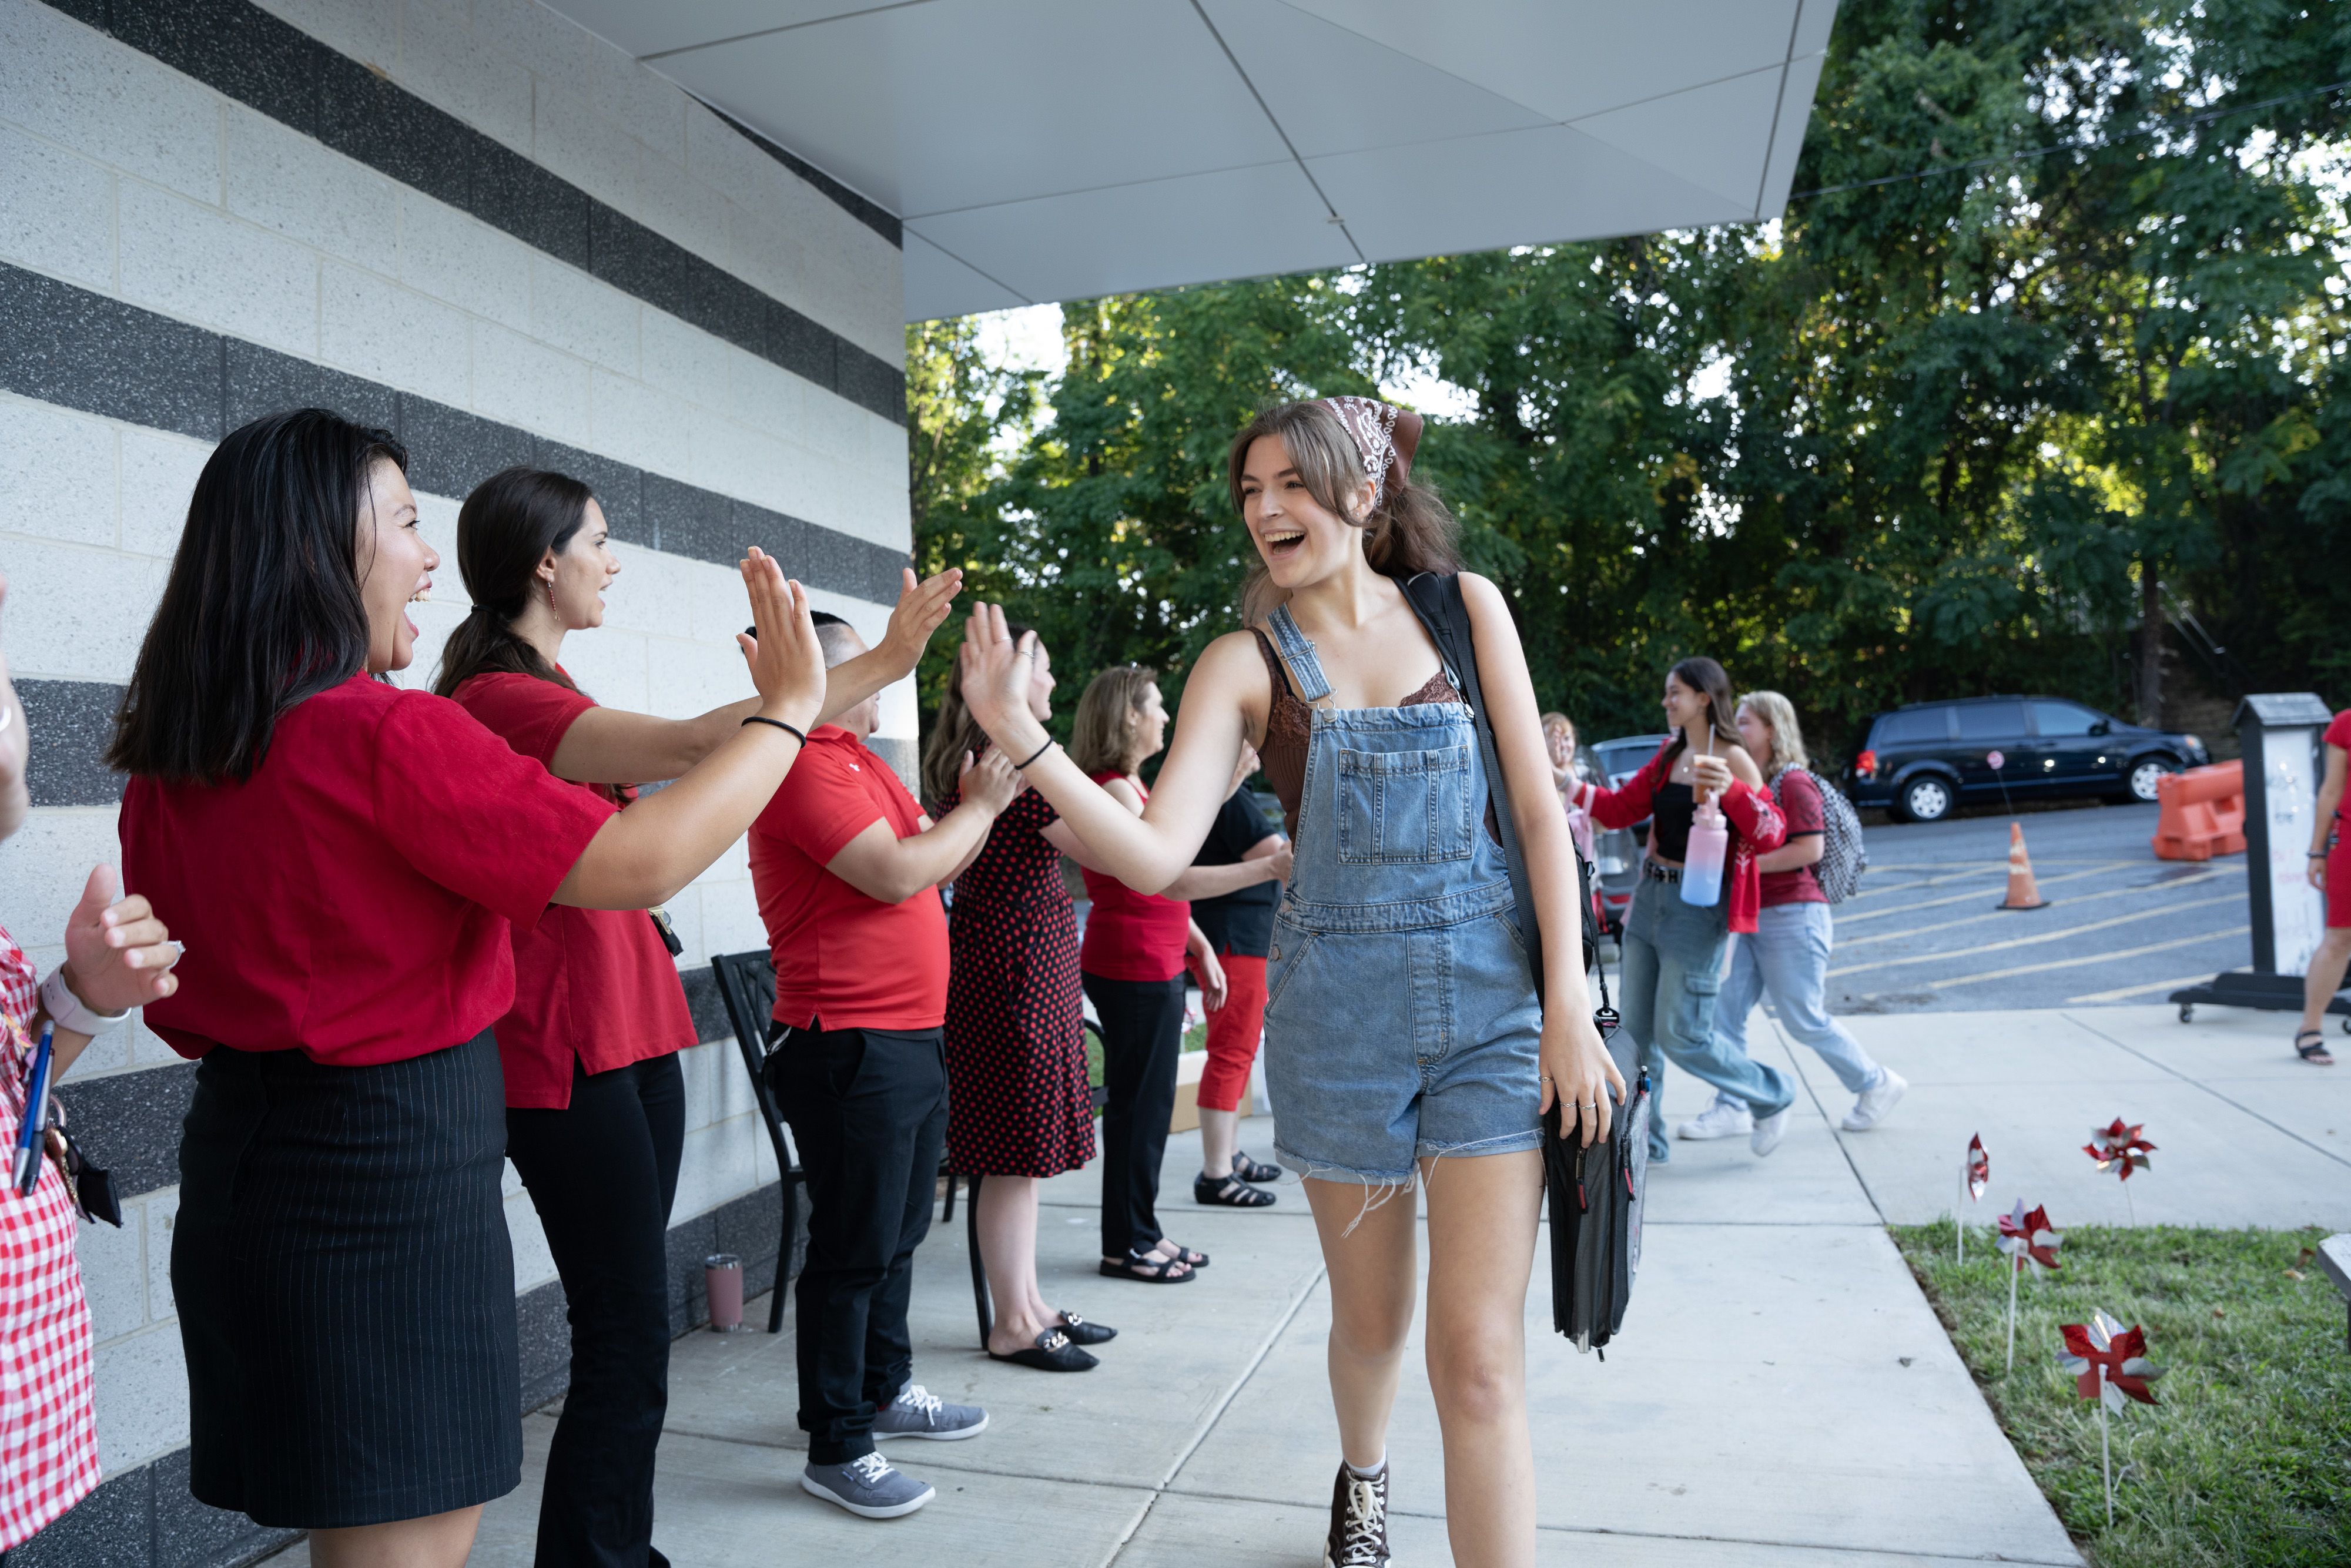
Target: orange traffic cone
x,y
2021,892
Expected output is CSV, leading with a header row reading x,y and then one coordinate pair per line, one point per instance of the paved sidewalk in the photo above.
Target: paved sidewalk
x,y
1782,1398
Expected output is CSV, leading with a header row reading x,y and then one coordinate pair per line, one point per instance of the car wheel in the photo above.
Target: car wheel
x,y
2144,777
1927,799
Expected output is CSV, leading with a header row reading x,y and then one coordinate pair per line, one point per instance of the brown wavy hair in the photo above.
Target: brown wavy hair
x,y
504,530
1100,738
1700,674
953,733
1408,532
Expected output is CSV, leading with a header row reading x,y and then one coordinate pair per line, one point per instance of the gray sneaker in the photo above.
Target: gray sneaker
x,y
919,1413
1876,1101
867,1486
1769,1130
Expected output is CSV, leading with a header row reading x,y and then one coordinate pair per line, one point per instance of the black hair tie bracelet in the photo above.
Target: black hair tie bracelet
x,y
1036,753
779,724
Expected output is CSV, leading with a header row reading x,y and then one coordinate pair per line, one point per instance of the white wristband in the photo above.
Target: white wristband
x,y
67,1012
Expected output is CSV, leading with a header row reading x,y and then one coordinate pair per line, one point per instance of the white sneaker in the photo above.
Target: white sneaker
x,y
1721,1120
1770,1130
1876,1101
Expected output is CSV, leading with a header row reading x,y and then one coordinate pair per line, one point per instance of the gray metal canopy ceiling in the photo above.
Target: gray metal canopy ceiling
x,y
1043,149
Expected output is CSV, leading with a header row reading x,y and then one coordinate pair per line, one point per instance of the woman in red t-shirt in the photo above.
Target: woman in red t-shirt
x,y
353,856
595,1100
2330,872
1133,959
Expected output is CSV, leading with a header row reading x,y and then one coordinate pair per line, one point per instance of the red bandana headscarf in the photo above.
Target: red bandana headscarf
x,y
1384,433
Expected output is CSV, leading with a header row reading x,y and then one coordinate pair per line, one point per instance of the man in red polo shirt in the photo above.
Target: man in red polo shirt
x,y
847,869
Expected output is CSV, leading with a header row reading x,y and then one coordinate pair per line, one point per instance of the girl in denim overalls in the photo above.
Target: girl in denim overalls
x,y
1402,1024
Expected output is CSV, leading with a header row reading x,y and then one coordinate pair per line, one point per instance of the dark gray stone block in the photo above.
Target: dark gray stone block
x,y
635,260
510,192
188,1535
543,1326
451,451
689,521
263,381
802,346
394,133
77,350
724,306
113,1526
872,385
617,485
91,11
71,723
130,1122
704,1003
792,542
234,48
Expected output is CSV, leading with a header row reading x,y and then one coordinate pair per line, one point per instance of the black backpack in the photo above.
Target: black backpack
x,y
1595,1194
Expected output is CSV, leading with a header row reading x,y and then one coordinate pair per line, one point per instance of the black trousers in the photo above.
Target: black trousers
x,y
1142,1032
602,1175
868,1109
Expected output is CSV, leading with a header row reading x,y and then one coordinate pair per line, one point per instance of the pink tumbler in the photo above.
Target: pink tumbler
x,y
722,1274
1710,845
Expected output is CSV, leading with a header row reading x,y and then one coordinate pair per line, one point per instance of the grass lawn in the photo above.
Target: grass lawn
x,y
2246,1460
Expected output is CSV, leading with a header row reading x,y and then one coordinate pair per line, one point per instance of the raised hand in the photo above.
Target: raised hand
x,y
1709,776
991,783
921,608
786,660
117,955
995,678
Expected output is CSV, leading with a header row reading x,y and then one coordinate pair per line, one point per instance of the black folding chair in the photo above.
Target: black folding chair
x,y
746,982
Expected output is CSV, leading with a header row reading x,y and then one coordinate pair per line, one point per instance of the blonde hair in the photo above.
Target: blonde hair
x,y
1552,721
1787,735
1102,736
1407,533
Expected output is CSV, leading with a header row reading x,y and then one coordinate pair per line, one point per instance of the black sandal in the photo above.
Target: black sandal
x,y
1233,1192
1051,1353
2315,1052
1083,1333
1149,1268
1186,1255
1249,1169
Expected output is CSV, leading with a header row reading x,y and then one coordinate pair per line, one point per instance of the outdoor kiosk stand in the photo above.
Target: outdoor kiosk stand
x,y
2279,732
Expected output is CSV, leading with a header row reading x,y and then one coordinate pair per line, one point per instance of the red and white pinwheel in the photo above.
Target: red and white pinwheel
x,y
1979,1168
2028,1239
2119,1148
2109,1361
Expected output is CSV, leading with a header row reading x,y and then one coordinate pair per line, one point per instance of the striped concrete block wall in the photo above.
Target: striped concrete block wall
x,y
475,224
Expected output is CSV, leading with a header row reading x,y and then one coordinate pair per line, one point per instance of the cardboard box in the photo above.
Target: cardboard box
x,y
1188,1067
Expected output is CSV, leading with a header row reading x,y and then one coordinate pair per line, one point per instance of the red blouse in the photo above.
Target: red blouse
x,y
1131,935
591,984
1756,827
351,899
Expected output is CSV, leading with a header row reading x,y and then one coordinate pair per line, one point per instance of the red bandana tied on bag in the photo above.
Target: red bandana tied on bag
x,y
1386,435
2028,1239
2119,1148
2109,1361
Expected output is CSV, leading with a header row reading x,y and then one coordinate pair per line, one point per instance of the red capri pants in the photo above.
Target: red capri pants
x,y
2338,910
1234,1030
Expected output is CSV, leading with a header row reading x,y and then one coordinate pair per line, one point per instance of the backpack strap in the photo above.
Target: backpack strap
x,y
1438,602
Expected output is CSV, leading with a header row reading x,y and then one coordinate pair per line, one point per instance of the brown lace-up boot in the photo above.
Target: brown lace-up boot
x,y
1359,1521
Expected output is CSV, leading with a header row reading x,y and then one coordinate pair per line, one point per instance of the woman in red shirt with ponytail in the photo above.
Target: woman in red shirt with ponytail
x,y
595,1100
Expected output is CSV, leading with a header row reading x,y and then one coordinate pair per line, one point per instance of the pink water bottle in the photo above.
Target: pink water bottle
x,y
1710,845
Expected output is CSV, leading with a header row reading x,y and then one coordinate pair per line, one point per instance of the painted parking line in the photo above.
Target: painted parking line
x,y
2093,958
2062,934
2125,993
2098,869
2076,900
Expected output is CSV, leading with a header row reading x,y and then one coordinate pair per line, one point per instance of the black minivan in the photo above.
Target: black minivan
x,y
1925,760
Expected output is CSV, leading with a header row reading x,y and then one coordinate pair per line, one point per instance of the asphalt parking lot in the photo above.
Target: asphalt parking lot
x,y
2120,927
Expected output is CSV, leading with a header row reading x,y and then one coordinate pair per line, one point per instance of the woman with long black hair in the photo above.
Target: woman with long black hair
x,y
353,855
595,1100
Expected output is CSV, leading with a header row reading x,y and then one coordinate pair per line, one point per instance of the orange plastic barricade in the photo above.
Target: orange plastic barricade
x,y
2203,813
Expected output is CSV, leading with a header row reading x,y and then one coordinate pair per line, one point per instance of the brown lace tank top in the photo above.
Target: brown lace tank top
x,y
1289,722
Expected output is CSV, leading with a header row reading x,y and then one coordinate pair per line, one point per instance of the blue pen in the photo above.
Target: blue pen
x,y
27,1171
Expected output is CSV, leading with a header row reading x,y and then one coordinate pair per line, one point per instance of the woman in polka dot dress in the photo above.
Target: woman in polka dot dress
x,y
1020,1107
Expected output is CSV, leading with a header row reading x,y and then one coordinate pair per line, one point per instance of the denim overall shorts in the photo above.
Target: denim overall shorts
x,y
1401,1019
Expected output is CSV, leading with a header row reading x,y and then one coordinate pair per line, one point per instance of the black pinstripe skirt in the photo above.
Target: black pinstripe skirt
x,y
346,1288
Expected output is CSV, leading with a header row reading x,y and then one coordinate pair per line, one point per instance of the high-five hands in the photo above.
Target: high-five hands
x,y
991,783
921,608
786,662
995,678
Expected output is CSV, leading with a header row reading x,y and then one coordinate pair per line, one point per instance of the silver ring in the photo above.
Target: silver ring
x,y
1595,1105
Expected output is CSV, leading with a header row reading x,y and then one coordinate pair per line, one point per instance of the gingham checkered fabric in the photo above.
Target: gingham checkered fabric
x,y
49,1432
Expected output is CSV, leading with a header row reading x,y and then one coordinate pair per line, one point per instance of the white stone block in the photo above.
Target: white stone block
x,y
687,211
158,480
147,1047
436,519
683,361
285,181
731,919
375,329
609,666
652,593
767,397
43,867
593,152
721,607
688,678
651,108
534,1261
57,210
366,30
722,1162
106,1055
106,101
77,613
57,474
197,263
162,1213
583,316
460,261
441,63
856,283
551,47
434,624
524,382
735,460
700,1067
640,424
141,1398
724,159
113,1276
